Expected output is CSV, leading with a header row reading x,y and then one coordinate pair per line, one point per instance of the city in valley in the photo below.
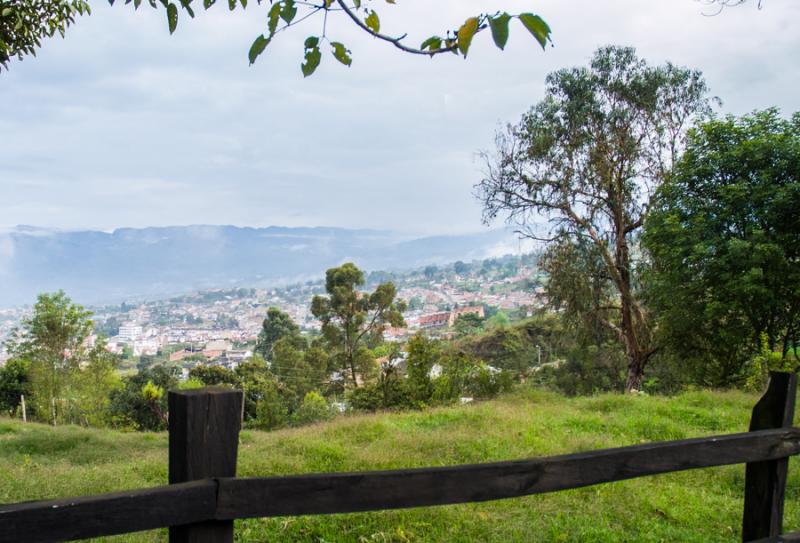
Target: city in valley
x,y
221,326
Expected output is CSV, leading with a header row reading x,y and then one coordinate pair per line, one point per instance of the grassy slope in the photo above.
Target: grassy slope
x,y
39,462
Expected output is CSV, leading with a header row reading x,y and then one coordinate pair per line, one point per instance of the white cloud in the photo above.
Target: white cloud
x,y
121,124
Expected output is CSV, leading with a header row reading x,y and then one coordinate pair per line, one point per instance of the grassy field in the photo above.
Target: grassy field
x,y
38,462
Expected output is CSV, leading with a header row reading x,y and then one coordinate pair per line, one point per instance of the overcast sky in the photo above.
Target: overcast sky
x,y
121,124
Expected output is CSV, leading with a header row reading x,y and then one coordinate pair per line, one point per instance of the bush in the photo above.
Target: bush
x,y
271,411
585,370
366,398
314,408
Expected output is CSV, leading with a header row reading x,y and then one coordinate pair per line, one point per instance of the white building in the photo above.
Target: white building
x,y
130,332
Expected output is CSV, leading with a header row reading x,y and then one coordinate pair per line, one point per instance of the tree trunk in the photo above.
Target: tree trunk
x,y
635,374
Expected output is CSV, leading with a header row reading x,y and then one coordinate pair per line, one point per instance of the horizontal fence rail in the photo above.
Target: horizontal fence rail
x,y
231,498
205,497
369,491
108,514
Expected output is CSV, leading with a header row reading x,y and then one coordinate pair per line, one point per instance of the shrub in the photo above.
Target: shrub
x,y
314,408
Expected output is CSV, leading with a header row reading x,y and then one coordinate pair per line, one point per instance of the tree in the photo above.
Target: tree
x,y
272,411
303,371
214,375
93,385
14,383
467,324
589,156
350,317
53,341
24,23
277,325
461,268
266,399
430,272
724,237
141,402
423,353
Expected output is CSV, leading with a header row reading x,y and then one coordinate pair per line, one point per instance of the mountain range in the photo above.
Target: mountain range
x,y
108,267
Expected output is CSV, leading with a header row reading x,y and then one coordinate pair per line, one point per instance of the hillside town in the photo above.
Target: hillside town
x,y
220,327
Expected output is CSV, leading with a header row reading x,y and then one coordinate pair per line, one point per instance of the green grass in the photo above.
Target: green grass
x,y
38,462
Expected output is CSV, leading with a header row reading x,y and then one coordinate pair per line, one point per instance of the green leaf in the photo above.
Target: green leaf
x,y
231,5
537,27
341,53
499,26
432,44
357,4
208,3
373,22
313,58
172,17
311,42
257,48
186,4
288,11
466,33
244,4
7,12
274,17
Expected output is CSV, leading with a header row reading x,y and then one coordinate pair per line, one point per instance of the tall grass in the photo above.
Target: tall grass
x,y
38,462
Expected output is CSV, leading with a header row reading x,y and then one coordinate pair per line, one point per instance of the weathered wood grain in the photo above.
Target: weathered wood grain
x,y
107,514
368,491
765,481
204,429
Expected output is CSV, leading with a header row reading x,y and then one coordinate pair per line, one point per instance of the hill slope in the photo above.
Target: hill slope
x,y
97,267
38,462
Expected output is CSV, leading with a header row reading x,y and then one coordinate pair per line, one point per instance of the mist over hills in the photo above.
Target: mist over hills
x,y
106,267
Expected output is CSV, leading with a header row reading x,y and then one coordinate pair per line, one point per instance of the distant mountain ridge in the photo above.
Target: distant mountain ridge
x,y
104,267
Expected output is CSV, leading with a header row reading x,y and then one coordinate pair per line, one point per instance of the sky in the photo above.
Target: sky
x,y
122,125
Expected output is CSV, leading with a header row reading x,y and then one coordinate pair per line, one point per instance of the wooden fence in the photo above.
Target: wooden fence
x,y
204,496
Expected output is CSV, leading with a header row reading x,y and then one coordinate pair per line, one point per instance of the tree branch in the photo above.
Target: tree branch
x,y
394,41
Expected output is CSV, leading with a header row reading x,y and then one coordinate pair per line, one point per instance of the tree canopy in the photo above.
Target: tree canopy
x,y
589,156
277,325
25,23
724,237
350,317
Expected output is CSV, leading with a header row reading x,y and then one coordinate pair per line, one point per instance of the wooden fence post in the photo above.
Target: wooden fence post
x,y
765,482
204,429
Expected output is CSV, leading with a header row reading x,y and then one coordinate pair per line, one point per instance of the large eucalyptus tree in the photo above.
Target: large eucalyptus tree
x,y
588,158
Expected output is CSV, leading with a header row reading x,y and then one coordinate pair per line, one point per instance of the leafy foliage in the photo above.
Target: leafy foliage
x,y
314,408
350,317
52,341
589,156
141,403
724,236
277,325
14,383
25,23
